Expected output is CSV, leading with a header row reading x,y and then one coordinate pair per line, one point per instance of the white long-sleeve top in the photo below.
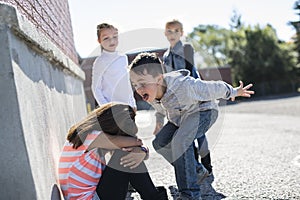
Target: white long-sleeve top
x,y
110,79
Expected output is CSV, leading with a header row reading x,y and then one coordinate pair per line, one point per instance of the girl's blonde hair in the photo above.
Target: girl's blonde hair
x,y
174,22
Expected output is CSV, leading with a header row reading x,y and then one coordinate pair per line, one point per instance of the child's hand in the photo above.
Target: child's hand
x,y
134,158
243,91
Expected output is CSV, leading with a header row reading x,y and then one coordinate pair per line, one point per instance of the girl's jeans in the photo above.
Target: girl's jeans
x,y
175,144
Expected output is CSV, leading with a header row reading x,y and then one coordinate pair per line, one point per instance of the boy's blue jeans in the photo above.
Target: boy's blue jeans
x,y
175,144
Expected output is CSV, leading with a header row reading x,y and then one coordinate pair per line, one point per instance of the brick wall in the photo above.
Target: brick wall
x,y
51,17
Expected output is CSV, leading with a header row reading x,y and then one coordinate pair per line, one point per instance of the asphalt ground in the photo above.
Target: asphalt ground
x,y
255,151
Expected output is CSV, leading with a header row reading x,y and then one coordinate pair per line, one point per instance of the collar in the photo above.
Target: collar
x,y
177,47
109,52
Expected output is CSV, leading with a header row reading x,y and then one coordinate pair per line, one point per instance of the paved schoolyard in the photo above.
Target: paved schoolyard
x,y
255,147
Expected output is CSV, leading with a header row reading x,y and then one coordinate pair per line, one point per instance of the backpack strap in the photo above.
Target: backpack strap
x,y
189,57
189,60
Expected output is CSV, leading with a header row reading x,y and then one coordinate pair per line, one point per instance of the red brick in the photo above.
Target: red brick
x,y
53,18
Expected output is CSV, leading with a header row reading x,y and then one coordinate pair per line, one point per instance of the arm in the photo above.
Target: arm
x,y
210,90
112,142
97,73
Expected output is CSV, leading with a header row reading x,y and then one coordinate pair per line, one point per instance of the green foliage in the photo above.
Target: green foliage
x,y
210,39
296,25
255,55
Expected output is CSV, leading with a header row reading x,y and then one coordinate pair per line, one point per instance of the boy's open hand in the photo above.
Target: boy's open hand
x,y
243,91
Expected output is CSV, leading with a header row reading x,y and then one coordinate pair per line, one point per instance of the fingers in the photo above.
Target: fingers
x,y
140,142
134,166
130,162
127,160
241,84
246,95
128,149
245,91
131,165
248,86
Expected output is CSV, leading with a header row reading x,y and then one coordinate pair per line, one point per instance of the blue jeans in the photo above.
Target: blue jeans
x,y
175,144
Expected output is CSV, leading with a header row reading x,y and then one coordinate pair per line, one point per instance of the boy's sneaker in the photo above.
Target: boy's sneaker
x,y
202,174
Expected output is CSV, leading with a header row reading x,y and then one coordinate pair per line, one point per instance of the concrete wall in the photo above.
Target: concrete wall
x,y
41,96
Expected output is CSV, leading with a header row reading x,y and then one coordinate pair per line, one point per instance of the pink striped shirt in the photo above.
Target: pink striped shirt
x,y
79,172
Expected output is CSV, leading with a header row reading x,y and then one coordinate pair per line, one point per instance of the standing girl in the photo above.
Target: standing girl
x,y
110,79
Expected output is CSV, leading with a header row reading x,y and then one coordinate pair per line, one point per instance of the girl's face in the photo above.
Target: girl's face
x,y
147,86
109,39
173,34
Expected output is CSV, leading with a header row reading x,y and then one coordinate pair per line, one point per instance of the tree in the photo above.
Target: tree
x,y
235,20
254,53
296,25
262,59
211,40
296,39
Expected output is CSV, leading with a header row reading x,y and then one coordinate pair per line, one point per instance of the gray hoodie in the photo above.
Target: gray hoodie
x,y
185,95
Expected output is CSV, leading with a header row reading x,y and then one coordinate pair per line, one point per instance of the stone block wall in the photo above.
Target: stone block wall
x,y
41,96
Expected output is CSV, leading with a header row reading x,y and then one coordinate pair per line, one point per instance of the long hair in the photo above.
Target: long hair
x,y
111,118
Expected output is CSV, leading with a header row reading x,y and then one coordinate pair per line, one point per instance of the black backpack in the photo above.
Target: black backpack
x,y
189,60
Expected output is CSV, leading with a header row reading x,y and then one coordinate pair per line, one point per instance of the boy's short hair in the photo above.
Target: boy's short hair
x,y
147,63
174,22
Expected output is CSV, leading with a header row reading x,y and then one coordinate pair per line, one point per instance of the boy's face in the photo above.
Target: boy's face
x,y
147,86
109,39
173,34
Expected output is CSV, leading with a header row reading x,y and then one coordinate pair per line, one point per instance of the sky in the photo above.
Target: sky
x,y
145,20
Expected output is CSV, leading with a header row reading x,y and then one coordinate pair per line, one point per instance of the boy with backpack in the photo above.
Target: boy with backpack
x,y
181,56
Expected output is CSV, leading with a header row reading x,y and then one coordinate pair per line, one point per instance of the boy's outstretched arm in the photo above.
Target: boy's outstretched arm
x,y
243,91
